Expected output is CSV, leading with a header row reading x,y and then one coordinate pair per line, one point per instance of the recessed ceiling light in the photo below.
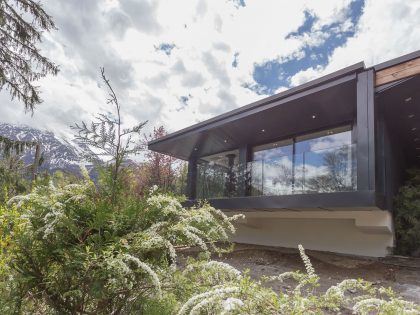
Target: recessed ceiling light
x,y
411,116
408,99
313,116
262,130
195,149
225,141
413,129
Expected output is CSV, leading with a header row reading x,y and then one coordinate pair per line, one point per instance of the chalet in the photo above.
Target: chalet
x,y
318,164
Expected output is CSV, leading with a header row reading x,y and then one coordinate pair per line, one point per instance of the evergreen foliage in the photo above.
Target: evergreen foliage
x,y
21,25
12,177
407,216
9,146
14,173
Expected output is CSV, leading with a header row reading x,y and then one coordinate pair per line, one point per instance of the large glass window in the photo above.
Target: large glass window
x,y
272,170
217,175
318,162
324,161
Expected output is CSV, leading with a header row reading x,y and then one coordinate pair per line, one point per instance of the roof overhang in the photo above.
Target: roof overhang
x,y
331,99
400,103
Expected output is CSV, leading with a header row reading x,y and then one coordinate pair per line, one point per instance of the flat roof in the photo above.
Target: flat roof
x,y
294,90
197,133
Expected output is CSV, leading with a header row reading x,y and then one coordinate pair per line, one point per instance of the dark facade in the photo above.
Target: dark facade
x,y
339,142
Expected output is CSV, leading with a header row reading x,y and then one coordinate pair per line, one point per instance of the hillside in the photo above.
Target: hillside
x,y
59,154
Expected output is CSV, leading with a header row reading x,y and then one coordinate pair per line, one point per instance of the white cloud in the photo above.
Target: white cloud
x,y
122,35
387,29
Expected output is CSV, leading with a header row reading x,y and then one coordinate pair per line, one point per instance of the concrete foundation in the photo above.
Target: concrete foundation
x,y
365,233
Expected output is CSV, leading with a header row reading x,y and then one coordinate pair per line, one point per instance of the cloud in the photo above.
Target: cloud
x,y
216,69
317,40
201,7
228,54
142,15
192,79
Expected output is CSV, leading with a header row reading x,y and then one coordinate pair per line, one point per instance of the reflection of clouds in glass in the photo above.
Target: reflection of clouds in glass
x,y
273,153
277,176
332,141
311,171
321,171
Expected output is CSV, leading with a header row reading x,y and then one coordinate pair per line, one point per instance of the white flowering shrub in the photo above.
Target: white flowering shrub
x,y
69,250
230,292
66,250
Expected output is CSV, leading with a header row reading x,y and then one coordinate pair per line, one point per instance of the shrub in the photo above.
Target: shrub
x,y
407,216
65,250
68,250
228,291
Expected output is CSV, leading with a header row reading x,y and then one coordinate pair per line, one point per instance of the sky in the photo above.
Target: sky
x,y
176,63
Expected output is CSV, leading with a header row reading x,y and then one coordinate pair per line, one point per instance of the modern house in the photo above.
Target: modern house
x,y
318,164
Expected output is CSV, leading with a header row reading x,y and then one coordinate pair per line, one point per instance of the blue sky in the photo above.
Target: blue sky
x,y
177,64
273,74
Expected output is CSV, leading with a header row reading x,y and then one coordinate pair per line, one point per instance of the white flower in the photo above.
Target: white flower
x,y
362,306
146,268
219,292
224,267
231,303
309,269
153,189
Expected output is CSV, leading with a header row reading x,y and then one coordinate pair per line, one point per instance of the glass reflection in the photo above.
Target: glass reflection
x,y
273,170
315,163
319,162
326,161
217,175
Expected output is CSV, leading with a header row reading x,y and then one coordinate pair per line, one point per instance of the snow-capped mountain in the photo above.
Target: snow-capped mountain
x,y
58,153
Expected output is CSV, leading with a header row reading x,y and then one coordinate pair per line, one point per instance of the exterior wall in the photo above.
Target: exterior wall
x,y
364,233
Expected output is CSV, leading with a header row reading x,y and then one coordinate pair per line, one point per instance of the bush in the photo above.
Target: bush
x,y
65,250
68,250
407,216
221,289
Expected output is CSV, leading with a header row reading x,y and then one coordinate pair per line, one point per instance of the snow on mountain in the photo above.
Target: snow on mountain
x,y
59,154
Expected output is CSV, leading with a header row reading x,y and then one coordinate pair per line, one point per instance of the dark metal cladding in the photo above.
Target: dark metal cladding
x,y
385,131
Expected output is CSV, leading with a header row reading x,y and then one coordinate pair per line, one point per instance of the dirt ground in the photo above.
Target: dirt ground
x,y
400,273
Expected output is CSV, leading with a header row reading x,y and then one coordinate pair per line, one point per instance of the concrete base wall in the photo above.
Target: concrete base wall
x,y
365,233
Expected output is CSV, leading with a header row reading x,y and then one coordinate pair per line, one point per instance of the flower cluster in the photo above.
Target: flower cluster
x,y
227,295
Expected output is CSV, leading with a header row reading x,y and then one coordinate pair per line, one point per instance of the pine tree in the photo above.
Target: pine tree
x,y
13,171
21,63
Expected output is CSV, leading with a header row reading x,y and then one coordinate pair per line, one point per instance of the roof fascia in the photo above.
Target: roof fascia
x,y
285,96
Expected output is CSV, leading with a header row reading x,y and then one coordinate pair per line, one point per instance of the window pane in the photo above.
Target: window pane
x,y
273,151
324,161
331,138
217,175
272,171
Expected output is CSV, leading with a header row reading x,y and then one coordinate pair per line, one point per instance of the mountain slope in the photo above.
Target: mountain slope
x,y
59,154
